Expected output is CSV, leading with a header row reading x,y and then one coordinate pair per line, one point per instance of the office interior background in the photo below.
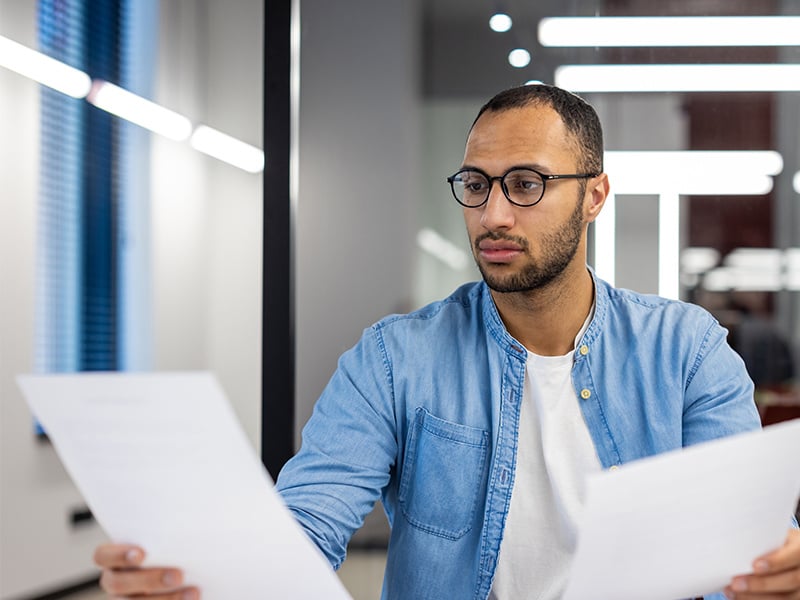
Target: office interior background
x,y
387,91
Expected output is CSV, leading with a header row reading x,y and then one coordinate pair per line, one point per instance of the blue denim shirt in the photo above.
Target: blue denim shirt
x,y
423,412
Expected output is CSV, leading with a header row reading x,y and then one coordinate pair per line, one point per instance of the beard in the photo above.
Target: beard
x,y
558,250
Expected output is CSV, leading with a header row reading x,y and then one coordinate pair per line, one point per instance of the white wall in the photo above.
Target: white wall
x,y
206,235
358,191
359,140
207,215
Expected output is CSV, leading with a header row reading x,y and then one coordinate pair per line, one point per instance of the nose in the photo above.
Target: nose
x,y
498,212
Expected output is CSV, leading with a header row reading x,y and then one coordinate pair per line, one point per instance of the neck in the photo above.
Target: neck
x,y
546,320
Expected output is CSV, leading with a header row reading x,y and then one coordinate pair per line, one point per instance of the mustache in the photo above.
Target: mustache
x,y
495,236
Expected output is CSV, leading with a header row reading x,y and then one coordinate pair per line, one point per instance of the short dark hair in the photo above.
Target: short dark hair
x,y
578,116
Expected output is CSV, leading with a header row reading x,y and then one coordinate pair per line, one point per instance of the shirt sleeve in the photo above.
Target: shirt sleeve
x,y
719,397
348,450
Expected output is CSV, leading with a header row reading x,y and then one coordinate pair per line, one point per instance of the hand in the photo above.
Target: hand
x,y
123,575
775,575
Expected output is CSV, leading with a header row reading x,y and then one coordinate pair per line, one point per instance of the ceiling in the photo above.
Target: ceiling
x,y
462,57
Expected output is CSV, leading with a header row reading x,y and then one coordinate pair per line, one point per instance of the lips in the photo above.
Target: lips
x,y
499,251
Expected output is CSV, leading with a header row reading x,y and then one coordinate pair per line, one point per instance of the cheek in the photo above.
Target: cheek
x,y
472,220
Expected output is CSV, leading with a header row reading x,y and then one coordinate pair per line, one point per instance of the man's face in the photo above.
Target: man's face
x,y
525,248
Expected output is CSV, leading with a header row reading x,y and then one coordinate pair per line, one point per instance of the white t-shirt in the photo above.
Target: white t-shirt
x,y
555,453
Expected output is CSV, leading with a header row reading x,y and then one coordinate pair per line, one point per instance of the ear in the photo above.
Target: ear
x,y
596,193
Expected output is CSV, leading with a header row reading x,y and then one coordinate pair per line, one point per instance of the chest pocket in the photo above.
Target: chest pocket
x,y
444,471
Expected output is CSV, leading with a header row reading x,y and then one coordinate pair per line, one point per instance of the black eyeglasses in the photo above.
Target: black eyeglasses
x,y
522,186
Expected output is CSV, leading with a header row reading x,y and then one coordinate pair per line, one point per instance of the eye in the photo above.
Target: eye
x,y
523,183
475,186
473,183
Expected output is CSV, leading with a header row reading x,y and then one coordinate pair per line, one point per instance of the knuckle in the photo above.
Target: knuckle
x,y
109,582
756,584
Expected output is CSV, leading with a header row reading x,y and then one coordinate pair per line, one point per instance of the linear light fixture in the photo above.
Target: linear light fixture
x,y
753,269
581,32
669,245
680,78
605,241
227,149
696,172
43,69
724,279
127,105
696,260
141,111
796,182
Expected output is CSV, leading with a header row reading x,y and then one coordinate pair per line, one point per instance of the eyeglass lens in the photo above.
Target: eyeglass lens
x,y
521,186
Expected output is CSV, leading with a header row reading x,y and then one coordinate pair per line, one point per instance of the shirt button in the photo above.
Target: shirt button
x,y
613,468
584,350
585,394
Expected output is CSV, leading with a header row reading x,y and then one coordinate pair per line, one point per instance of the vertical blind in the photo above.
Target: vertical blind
x,y
92,265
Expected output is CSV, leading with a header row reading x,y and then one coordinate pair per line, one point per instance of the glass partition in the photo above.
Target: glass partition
x,y
701,111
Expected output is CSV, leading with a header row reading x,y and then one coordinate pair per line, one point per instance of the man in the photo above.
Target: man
x,y
476,419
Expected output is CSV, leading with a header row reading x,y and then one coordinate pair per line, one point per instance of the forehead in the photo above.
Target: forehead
x,y
533,135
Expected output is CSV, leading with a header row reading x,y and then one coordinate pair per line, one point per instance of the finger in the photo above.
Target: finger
x,y
112,556
758,585
731,595
140,581
784,558
183,594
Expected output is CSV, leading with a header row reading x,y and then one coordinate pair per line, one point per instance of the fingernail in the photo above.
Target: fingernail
x,y
761,566
190,595
739,585
134,555
170,578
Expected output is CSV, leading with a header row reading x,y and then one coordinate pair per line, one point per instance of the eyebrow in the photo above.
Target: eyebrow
x,y
533,166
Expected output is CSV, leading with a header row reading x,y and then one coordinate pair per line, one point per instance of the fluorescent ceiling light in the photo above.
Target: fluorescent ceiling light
x,y
669,31
766,162
680,78
755,259
141,111
793,269
796,182
693,172
698,259
792,258
43,69
228,149
669,245
519,57
605,240
723,279
500,22
756,269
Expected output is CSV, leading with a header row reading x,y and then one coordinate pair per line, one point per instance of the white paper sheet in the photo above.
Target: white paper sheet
x,y
162,462
681,524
